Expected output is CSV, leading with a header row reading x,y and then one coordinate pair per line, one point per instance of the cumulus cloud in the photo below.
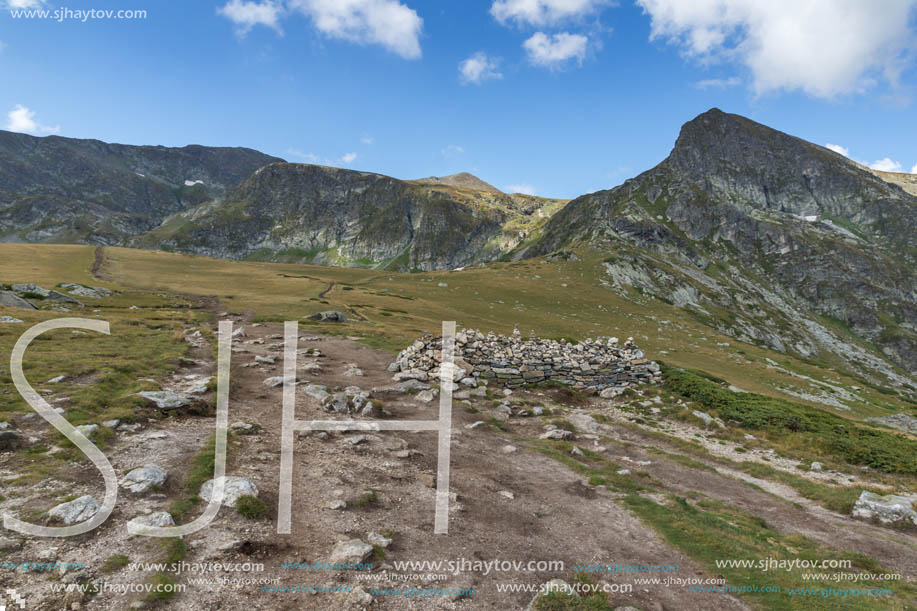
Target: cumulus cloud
x,y
886,164
247,15
478,68
837,148
553,51
718,83
525,189
345,159
822,47
544,13
452,150
21,119
23,4
388,23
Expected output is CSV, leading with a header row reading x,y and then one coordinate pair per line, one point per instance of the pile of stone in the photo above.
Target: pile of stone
x,y
599,364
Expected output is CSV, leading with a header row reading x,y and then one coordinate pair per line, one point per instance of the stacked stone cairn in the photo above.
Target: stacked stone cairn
x,y
598,364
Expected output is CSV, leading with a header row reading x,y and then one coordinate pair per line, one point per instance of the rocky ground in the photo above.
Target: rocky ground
x,y
510,501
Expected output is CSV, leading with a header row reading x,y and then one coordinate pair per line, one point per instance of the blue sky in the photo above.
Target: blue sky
x,y
557,97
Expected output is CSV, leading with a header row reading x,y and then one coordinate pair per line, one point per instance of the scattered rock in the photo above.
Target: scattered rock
x,y
507,494
160,519
377,539
353,551
265,360
314,391
426,396
242,428
816,466
87,429
144,478
9,441
233,487
75,511
354,440
273,381
10,320
166,399
508,449
557,434
329,316
11,300
888,509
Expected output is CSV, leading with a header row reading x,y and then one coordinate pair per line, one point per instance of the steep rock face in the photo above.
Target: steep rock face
x,y
768,237
56,189
329,215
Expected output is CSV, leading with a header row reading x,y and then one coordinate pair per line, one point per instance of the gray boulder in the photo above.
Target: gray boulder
x,y
166,399
557,435
9,440
143,478
10,320
233,487
329,316
353,551
888,509
11,300
317,392
160,519
78,510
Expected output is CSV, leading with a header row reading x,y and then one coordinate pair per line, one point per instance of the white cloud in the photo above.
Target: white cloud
x,y
541,13
837,148
247,15
21,119
553,51
3,46
822,47
914,169
388,23
367,140
718,83
23,4
524,189
452,150
345,159
478,68
886,165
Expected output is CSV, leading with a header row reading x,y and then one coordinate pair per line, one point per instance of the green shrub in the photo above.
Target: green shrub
x,y
820,431
251,507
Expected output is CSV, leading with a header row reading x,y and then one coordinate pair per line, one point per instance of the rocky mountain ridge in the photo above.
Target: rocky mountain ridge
x,y
66,190
769,238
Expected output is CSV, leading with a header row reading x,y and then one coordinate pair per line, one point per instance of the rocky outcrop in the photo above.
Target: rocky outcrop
x,y
596,364
888,509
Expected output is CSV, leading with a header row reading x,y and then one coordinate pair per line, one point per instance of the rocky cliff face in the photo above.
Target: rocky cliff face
x,y
57,189
767,237
318,214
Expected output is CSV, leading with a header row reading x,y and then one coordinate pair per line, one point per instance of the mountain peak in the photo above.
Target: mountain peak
x,y
462,179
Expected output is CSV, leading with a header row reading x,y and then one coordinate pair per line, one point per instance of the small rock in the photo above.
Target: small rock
x,y
354,440
75,511
507,494
144,478
507,449
87,429
265,360
349,552
377,539
816,466
273,381
160,519
557,434
426,396
233,487
474,425
166,399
